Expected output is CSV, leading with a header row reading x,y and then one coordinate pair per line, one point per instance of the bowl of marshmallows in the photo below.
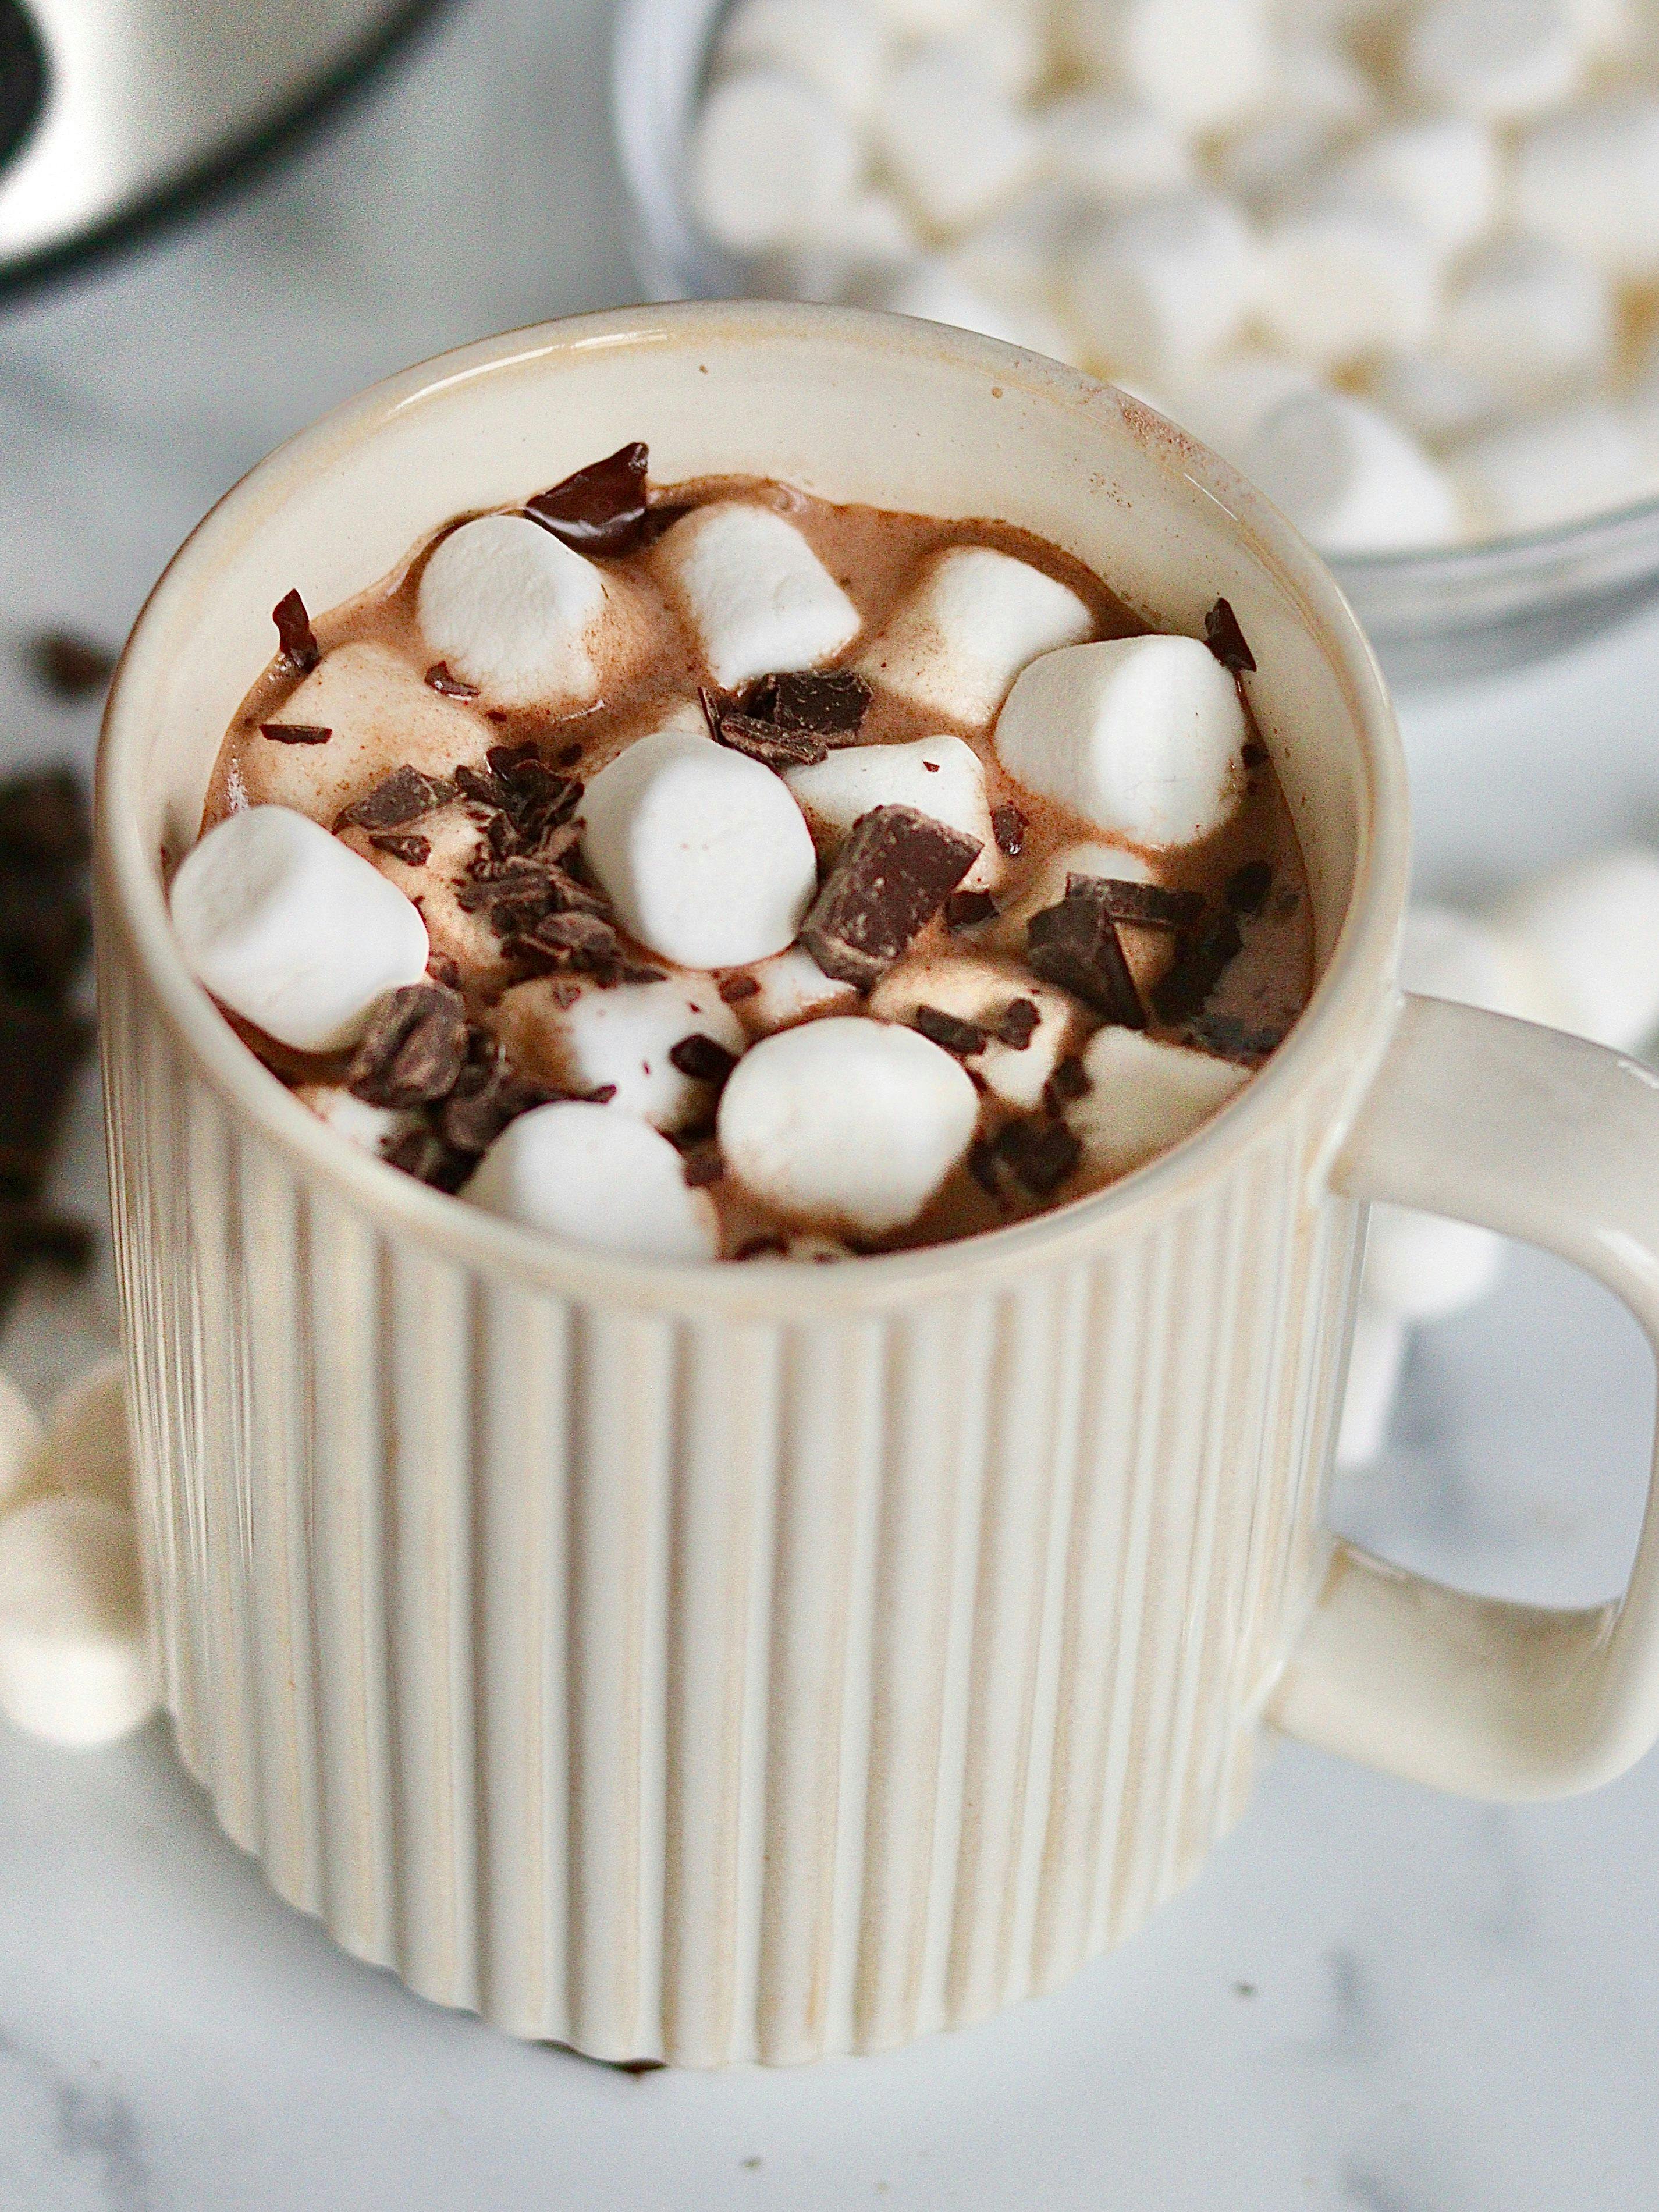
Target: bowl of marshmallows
x,y
1396,259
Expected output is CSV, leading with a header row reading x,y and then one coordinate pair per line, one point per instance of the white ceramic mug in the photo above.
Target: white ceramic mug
x,y
710,1663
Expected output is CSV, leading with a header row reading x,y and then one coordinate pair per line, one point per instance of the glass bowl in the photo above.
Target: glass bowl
x,y
1435,617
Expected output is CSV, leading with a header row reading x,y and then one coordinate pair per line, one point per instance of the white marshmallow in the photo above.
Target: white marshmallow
x,y
837,45
977,991
938,776
1594,924
1345,274
770,161
847,1122
1014,258
599,1178
952,142
1443,172
371,1129
704,853
1424,1267
929,19
1530,319
1432,397
1166,283
757,594
861,243
1229,398
1318,98
1199,62
1352,480
621,1037
22,1438
1551,469
1268,162
87,1450
291,930
1113,149
974,618
793,988
74,1665
512,610
934,292
1144,1097
1006,42
1590,181
1446,955
1141,736
1376,1360
1498,60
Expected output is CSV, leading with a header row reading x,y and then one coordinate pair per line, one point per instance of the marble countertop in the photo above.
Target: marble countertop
x,y
1375,1998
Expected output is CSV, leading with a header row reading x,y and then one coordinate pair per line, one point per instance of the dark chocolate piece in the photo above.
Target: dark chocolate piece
x,y
762,1248
968,910
832,704
300,651
963,1038
701,1059
601,1095
69,666
1226,641
438,679
894,872
733,987
1019,1025
1038,1154
407,846
1008,826
599,509
703,1165
760,741
443,969
1248,887
487,1095
1070,1080
423,1154
983,1166
295,733
1076,945
397,800
413,1049
1229,1037
1150,904
1200,957
516,785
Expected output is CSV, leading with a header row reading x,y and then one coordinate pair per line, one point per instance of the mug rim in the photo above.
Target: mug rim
x,y
131,901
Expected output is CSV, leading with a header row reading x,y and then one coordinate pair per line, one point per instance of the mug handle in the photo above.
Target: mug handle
x,y
1545,1137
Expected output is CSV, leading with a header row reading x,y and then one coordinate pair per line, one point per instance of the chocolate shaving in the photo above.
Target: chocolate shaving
x,y
703,1165
963,1038
968,910
438,679
413,850
599,510
762,1248
761,741
413,1049
1248,887
734,987
1229,1037
1226,640
1019,1023
488,1096
1039,1156
1076,945
701,1059
1008,827
443,969
401,797
601,1095
518,787
295,733
1200,957
983,1166
423,1154
67,666
832,704
892,874
1069,1081
300,651
1148,904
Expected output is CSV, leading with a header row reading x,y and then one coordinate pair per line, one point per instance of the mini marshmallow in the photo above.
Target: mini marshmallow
x,y
1432,397
20,1441
1497,60
758,596
1352,480
1227,402
620,1039
976,991
1345,274
371,1129
770,161
1318,99
291,930
1117,150
704,854
1594,924
1531,319
1268,163
1141,736
1144,1097
87,1451
1166,283
1551,469
858,246
514,612
953,145
846,1123
1443,172
1197,63
934,292
938,776
74,1665
791,987
1424,1267
1012,259
1004,41
974,618
599,1178
1375,1361
837,45
1590,181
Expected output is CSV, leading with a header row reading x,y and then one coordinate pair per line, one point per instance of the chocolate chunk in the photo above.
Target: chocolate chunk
x,y
423,1154
1148,904
413,850
401,797
1076,945
44,821
761,741
661,515
1038,1154
762,1248
1008,826
1248,887
41,1051
1200,957
516,785
413,1049
300,651
703,1165
443,969
963,1038
983,1166
968,910
488,1096
601,509
701,1059
1230,1037
295,733
830,705
1019,1025
67,665
1226,641
438,679
893,874
1070,1080
734,987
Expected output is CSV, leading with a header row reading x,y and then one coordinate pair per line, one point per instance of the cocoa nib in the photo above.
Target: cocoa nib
x,y
701,1059
1076,945
1148,904
414,1048
1018,1025
438,679
891,875
295,733
1201,956
599,509
300,651
402,797
1226,640
830,705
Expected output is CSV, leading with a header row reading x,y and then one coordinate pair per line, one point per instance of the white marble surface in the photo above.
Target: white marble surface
x,y
1373,1999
